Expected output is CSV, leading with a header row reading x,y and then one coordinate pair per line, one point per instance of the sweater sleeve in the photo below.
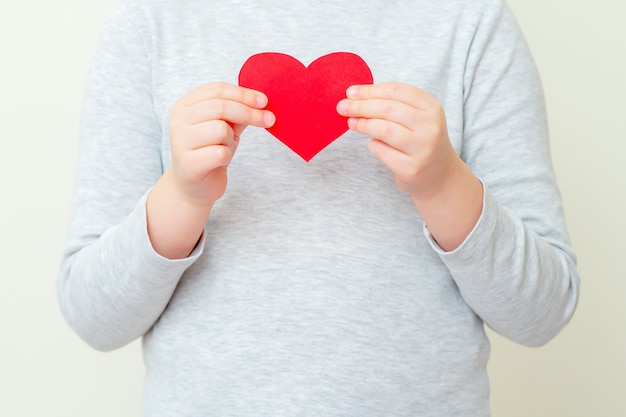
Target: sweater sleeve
x,y
112,285
516,269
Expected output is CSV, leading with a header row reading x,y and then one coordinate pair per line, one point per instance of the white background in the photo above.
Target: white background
x,y
45,49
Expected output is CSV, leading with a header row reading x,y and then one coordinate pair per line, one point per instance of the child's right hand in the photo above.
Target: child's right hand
x,y
205,126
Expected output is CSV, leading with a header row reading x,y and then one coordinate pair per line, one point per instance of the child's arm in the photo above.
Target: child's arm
x,y
113,285
505,244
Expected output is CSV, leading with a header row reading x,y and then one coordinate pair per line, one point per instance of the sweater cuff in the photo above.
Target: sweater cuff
x,y
157,262
478,238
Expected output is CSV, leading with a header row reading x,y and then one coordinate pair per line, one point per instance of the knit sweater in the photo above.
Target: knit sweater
x,y
316,289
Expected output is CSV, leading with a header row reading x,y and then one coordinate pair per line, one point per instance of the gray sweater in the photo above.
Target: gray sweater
x,y
316,289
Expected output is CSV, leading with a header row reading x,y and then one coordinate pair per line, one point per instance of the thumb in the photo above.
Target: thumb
x,y
238,130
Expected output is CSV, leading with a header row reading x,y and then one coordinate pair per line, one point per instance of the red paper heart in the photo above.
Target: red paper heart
x,y
304,99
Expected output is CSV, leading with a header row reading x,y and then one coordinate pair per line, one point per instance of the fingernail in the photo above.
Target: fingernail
x,y
261,101
342,107
352,122
268,118
352,91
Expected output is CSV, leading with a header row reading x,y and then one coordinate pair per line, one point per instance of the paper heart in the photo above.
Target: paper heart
x,y
304,99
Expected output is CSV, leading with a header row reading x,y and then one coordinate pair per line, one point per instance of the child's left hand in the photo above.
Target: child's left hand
x,y
409,132
410,136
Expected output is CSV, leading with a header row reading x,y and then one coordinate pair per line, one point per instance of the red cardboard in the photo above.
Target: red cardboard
x,y
304,99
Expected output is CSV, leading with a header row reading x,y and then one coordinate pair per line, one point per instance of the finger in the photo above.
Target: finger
x,y
209,158
397,162
393,111
230,111
212,132
393,134
247,96
407,94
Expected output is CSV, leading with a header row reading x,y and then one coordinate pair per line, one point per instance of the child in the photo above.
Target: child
x,y
355,285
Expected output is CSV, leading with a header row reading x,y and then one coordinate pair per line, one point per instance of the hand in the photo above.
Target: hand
x,y
409,132
205,127
410,137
